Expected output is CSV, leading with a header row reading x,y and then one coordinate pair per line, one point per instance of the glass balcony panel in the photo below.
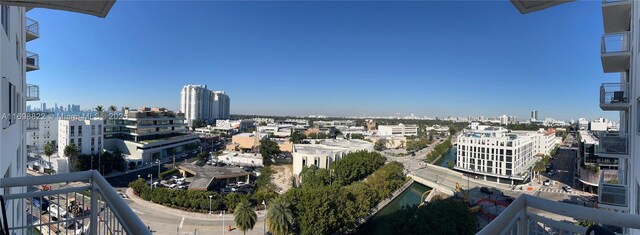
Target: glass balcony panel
x,y
613,144
614,96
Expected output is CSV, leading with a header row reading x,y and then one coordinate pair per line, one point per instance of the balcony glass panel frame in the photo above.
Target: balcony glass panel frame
x,y
612,194
613,144
32,61
614,96
615,42
32,29
32,92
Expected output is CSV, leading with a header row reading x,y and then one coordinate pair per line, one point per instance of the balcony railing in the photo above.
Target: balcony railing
x,y
615,51
613,144
91,207
32,61
33,92
615,42
611,192
33,29
614,96
533,215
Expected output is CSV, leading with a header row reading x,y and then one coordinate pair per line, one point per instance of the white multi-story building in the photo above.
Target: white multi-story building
x,y
602,124
148,134
41,131
199,103
400,129
325,152
86,134
495,154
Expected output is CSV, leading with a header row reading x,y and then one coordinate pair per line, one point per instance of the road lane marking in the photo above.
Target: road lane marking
x,y
137,212
182,222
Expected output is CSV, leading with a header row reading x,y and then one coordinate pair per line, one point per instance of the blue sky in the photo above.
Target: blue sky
x,y
331,58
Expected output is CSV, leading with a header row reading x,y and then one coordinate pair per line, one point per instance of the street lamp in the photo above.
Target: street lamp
x,y
210,198
223,212
151,181
264,228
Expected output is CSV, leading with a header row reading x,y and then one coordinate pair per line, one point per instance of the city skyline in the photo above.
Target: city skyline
x,y
325,60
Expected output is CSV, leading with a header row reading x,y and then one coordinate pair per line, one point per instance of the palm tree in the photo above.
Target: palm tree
x,y
245,217
100,110
49,149
112,108
71,151
279,217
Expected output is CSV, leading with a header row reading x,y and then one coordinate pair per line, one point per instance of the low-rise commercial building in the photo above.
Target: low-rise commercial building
x,y
148,134
279,130
239,125
390,141
322,153
207,177
400,129
241,159
246,141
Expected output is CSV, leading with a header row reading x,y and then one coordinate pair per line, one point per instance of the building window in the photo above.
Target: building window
x,y
79,130
93,130
72,131
5,18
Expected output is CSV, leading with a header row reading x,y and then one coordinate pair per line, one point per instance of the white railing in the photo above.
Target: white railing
x,y
530,215
86,205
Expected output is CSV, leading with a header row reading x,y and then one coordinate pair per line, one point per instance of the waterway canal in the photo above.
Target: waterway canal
x,y
450,155
410,196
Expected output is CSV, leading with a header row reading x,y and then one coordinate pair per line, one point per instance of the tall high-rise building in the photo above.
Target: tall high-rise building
x,y
199,103
534,115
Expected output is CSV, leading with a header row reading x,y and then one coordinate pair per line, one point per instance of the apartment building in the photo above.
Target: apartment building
x,y
618,200
495,154
324,152
86,134
15,62
41,131
199,103
148,134
398,130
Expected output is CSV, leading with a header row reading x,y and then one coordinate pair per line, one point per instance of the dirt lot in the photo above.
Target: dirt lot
x,y
282,177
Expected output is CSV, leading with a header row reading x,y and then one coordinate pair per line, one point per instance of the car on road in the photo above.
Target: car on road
x,y
552,172
124,196
486,190
567,188
183,155
546,183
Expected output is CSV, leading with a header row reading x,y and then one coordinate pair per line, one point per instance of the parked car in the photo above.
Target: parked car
x,y
172,186
183,155
546,183
552,172
240,184
224,191
486,190
243,190
231,185
182,187
179,182
567,188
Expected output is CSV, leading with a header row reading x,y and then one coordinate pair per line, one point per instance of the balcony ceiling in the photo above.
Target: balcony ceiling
x,y
528,6
99,8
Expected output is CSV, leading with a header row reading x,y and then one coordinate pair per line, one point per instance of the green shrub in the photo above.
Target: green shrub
x,y
168,173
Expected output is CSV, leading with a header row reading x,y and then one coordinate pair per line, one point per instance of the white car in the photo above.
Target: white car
x,y
172,186
179,182
567,188
240,184
546,183
182,187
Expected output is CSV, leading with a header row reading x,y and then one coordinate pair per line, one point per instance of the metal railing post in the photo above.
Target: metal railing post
x,y
523,221
94,207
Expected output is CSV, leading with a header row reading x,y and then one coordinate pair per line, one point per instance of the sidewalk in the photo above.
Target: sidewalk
x,y
180,213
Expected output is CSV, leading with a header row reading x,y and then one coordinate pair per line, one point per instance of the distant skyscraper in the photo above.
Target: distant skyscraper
x,y
534,115
44,107
198,102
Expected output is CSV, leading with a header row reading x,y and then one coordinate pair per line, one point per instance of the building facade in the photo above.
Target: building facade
x,y
495,154
148,134
86,135
398,130
199,103
40,132
325,152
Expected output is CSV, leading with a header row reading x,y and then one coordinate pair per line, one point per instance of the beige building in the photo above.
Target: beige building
x,y
246,141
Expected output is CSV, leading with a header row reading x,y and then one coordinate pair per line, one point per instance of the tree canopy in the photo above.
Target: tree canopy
x,y
447,216
268,150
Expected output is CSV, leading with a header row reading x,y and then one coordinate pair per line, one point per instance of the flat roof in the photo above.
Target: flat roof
x,y
588,138
206,174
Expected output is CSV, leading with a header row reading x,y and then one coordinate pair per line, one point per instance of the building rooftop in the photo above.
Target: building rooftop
x,y
588,138
205,175
331,145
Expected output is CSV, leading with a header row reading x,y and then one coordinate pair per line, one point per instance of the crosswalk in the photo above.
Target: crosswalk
x,y
557,190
